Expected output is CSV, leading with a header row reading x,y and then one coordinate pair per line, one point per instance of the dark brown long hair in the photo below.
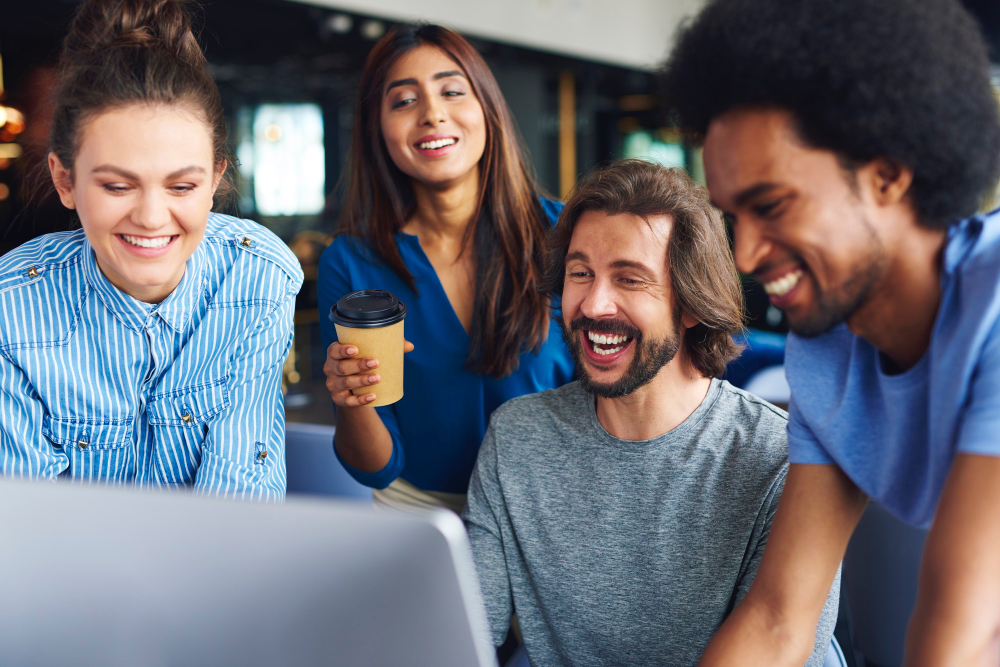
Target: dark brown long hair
x,y
122,52
508,228
703,275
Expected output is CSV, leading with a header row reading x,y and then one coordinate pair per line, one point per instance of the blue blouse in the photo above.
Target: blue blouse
x,y
437,426
97,386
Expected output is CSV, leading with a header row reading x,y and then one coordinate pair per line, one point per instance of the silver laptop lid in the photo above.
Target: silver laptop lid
x,y
110,576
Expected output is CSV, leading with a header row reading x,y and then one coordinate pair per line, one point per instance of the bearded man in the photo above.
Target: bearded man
x,y
623,516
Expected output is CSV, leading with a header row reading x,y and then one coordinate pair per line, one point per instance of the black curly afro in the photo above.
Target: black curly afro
x,y
906,80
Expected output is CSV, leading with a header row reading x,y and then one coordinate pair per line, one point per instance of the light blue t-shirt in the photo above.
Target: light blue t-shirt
x,y
896,436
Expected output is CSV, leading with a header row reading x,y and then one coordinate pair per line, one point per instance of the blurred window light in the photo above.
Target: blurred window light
x,y
285,157
643,145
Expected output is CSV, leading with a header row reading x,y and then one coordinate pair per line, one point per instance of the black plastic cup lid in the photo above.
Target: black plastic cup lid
x,y
368,309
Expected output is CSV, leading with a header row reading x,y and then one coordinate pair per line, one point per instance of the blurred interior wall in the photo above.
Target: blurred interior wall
x,y
630,33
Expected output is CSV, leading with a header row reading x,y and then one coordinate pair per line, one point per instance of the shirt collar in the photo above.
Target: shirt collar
x,y
135,314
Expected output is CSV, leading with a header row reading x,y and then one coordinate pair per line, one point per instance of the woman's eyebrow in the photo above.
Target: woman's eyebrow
x,y
413,82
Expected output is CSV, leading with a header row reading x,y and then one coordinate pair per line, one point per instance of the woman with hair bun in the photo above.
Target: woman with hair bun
x,y
442,210
145,348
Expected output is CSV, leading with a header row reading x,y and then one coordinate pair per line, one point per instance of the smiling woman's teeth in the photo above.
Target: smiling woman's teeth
x,y
438,143
603,339
143,242
784,284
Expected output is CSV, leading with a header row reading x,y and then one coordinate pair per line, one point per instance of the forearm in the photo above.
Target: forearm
x,y
957,633
362,439
761,636
957,618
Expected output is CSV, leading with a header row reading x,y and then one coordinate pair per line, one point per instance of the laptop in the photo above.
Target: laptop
x,y
113,576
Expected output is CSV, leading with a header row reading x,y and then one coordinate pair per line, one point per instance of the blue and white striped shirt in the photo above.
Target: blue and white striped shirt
x,y
95,385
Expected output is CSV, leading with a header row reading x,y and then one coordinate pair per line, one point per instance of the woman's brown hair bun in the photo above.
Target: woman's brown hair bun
x,y
107,24
122,52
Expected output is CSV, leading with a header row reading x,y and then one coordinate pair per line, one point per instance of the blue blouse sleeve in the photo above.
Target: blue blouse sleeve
x,y
335,282
552,210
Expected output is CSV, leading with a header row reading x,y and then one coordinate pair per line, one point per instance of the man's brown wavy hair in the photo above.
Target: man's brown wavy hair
x,y
705,282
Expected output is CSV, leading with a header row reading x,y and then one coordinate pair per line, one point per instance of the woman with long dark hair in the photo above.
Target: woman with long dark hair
x,y
440,209
145,348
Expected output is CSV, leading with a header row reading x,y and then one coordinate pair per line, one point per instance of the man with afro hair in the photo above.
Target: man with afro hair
x,y
851,143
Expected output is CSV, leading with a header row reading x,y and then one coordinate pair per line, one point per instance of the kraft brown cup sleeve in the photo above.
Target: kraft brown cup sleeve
x,y
386,345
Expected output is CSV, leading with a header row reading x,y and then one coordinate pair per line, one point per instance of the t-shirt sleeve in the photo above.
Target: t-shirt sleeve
x,y
828,617
335,282
484,515
979,432
803,447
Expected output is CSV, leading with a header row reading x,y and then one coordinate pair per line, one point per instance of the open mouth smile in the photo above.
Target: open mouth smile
x,y
782,289
434,146
604,349
147,246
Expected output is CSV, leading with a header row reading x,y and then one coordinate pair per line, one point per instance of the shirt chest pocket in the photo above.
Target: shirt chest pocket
x,y
97,450
181,421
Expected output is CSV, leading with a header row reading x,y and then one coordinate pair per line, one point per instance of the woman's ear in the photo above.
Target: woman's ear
x,y
220,169
63,180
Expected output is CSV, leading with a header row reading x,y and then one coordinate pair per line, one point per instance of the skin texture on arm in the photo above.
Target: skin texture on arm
x,y
957,618
776,623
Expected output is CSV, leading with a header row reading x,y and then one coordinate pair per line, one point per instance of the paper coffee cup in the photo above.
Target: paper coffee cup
x,y
372,321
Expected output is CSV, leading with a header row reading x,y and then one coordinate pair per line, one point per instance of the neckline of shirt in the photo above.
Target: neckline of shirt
x,y
679,432
135,314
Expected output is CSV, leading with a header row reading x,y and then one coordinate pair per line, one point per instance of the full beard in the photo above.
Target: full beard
x,y
648,356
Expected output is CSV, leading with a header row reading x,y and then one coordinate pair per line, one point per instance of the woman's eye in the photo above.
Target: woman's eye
x,y
182,189
402,103
115,189
453,93
631,282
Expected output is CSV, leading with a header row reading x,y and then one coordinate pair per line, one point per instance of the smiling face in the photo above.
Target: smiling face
x,y
619,318
803,225
432,123
142,184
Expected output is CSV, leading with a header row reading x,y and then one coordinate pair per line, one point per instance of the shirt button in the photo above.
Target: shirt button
x,y
263,455
33,272
82,444
246,242
187,418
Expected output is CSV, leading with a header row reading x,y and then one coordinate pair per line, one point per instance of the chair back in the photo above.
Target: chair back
x,y
313,468
880,575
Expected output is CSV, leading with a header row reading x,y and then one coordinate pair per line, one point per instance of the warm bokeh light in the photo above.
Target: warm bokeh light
x,y
10,151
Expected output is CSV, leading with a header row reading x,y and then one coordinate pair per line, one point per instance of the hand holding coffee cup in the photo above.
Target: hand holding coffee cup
x,y
365,365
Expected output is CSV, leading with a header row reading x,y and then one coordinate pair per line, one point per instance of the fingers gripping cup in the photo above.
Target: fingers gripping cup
x,y
372,321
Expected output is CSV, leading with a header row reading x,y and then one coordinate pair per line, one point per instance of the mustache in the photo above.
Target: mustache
x,y
614,327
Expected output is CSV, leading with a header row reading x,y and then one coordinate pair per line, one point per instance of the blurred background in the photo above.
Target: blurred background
x,y
579,76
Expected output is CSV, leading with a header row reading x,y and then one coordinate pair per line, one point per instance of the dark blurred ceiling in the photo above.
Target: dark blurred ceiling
x,y
988,13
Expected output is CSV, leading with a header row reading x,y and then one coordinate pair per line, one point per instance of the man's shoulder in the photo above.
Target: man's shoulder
x,y
526,416
752,404
760,424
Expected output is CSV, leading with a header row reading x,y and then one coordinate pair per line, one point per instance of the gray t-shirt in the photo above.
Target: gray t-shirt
x,y
615,552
